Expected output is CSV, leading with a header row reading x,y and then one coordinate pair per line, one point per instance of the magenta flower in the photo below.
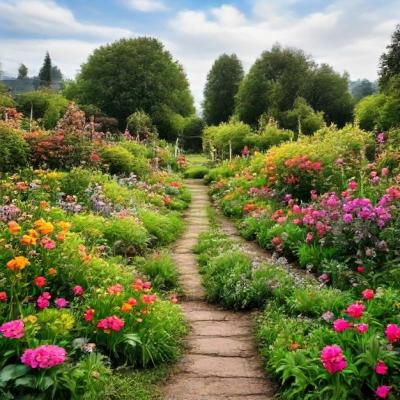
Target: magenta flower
x,y
382,391
381,368
48,244
380,137
13,329
112,323
341,325
61,302
355,310
333,359
347,218
46,356
78,290
352,185
362,328
43,300
392,333
368,294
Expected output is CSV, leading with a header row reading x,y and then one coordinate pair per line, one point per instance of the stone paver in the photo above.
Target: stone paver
x,y
221,361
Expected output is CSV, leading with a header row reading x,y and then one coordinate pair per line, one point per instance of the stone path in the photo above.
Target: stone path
x,y
221,361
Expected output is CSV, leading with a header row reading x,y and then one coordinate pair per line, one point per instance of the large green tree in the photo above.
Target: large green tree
x,y
22,71
223,82
390,61
45,71
273,83
328,91
135,75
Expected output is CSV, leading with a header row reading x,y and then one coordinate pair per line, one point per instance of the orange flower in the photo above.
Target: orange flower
x,y
44,204
294,346
52,271
126,307
18,263
28,240
45,228
13,228
61,236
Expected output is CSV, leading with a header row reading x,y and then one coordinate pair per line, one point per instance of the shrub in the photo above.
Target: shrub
x,y
196,172
13,149
161,270
139,123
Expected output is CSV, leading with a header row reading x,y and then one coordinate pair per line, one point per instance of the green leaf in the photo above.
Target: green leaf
x,y
12,371
28,381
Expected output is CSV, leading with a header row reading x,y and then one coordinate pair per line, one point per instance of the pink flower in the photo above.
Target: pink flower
x,y
380,137
352,185
48,244
61,302
328,316
46,356
347,218
333,359
43,300
341,325
309,237
392,333
385,171
382,391
89,314
360,269
381,368
324,278
362,328
368,294
13,329
115,289
149,298
112,323
77,290
146,285
355,310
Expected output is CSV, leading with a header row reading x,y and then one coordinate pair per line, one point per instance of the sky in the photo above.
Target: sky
x,y
350,35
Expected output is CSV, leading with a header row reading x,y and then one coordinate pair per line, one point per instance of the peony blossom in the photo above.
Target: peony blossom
x,y
355,310
382,391
78,290
352,185
149,298
309,237
333,359
13,329
381,368
360,269
3,297
115,289
61,302
392,332
368,294
112,323
43,300
362,328
46,356
341,325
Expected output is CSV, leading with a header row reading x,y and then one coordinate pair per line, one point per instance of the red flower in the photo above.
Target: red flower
x,y
368,294
40,281
381,368
88,315
3,296
355,310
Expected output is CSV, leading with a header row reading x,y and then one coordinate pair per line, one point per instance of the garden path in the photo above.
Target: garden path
x,y
221,361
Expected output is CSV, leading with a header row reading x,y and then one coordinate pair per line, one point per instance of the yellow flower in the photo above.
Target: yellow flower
x,y
65,226
32,319
18,263
45,228
52,271
28,240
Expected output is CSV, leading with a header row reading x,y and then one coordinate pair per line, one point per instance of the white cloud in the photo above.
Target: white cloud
x,y
67,54
349,35
46,17
146,5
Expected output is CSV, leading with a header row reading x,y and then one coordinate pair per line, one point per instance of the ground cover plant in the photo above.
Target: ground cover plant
x,y
76,242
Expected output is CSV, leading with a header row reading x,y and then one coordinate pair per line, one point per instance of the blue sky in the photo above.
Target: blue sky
x,y
348,34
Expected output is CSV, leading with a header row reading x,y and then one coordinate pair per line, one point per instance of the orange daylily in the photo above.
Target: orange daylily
x,y
18,263
14,228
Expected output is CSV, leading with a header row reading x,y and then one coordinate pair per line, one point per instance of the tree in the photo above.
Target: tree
x,y
390,60
222,85
273,83
56,74
328,91
45,71
22,71
362,88
135,75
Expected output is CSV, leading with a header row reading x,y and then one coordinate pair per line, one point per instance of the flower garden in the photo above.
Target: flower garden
x,y
86,285
327,204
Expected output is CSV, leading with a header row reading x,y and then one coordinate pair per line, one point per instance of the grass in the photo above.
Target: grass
x,y
128,384
197,159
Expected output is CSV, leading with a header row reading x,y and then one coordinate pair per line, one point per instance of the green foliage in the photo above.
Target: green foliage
x,y
362,88
378,111
22,71
140,124
13,149
44,104
161,270
196,172
76,181
222,84
390,60
192,133
220,136
119,160
134,75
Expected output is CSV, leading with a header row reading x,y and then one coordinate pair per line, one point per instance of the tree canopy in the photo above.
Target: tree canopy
x,y
135,75
223,82
22,71
390,61
45,71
